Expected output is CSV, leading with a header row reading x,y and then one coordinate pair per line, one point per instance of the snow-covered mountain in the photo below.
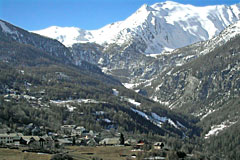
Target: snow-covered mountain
x,y
204,74
159,27
202,79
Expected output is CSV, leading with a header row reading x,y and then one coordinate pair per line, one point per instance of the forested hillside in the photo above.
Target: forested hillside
x,y
45,88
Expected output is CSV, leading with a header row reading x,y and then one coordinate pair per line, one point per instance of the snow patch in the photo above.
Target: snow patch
x,y
154,55
129,85
29,97
140,113
132,101
166,103
172,123
6,29
107,120
62,102
105,70
137,90
209,112
70,108
157,120
21,71
217,128
181,125
115,92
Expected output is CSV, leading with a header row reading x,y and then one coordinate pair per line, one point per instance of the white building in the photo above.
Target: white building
x,y
10,139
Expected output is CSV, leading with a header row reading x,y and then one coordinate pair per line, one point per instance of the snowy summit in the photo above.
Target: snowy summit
x,y
160,27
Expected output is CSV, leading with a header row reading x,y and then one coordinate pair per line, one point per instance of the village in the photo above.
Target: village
x,y
78,136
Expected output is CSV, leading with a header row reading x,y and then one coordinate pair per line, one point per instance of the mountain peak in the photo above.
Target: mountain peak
x,y
157,27
166,5
145,7
171,3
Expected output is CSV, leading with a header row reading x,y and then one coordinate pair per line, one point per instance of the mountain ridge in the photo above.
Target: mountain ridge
x,y
159,27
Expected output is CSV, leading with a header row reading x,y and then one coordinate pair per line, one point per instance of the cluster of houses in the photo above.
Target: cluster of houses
x,y
71,135
68,135
17,139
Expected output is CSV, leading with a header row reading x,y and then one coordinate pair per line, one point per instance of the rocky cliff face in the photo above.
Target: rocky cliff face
x,y
205,80
53,47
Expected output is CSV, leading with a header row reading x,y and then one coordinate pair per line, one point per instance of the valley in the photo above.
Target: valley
x,y
154,76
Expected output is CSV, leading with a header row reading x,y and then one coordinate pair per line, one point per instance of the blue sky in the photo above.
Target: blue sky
x,y
85,14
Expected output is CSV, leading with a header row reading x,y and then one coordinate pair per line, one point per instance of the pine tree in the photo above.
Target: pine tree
x,y
121,139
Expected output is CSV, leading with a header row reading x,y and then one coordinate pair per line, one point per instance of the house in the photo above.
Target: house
x,y
67,129
25,140
130,142
140,145
133,156
16,134
10,139
65,141
47,141
78,130
87,134
6,139
81,141
110,141
158,145
16,138
92,142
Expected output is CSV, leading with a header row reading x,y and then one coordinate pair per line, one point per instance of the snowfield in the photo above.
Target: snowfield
x,y
61,102
218,128
135,103
167,22
158,120
115,92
